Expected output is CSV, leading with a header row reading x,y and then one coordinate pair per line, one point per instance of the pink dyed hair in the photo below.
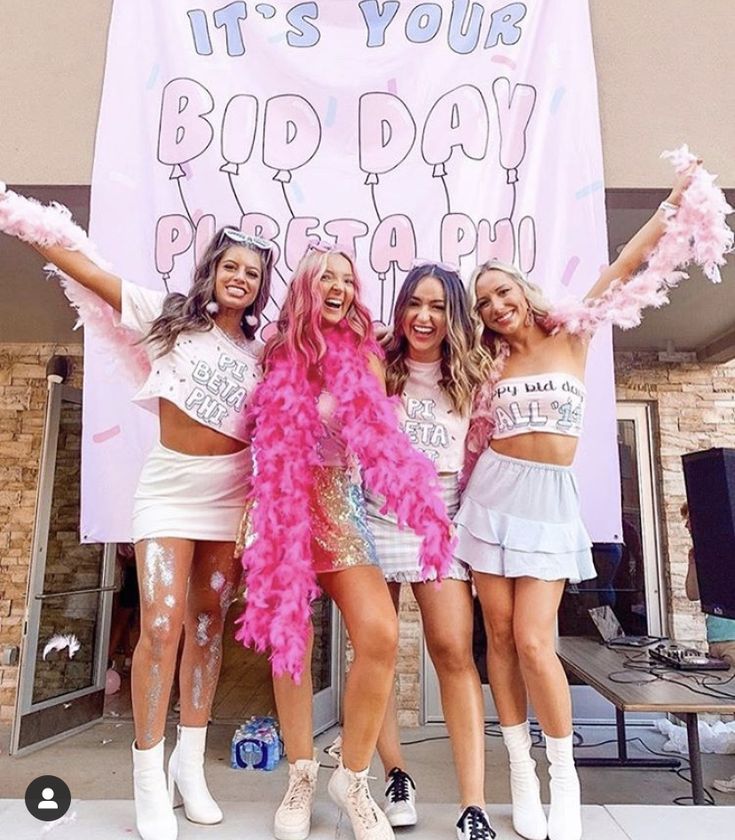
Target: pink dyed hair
x,y
299,327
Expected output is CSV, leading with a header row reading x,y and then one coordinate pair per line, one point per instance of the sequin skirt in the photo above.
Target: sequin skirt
x,y
340,537
340,534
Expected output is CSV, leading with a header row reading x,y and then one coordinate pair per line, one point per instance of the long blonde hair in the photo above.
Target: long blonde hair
x,y
492,343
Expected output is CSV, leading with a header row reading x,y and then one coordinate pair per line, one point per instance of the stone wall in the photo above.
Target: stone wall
x,y
22,410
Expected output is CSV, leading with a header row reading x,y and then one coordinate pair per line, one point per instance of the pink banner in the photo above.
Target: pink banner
x,y
456,131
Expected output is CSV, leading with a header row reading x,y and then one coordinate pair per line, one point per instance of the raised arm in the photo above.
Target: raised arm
x,y
53,233
635,253
86,272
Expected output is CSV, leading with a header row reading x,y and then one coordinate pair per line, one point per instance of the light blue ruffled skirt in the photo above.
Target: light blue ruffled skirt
x,y
522,519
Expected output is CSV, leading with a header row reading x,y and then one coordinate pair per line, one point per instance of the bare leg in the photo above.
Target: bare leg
x,y
389,739
214,577
163,574
295,710
450,648
497,598
534,626
362,596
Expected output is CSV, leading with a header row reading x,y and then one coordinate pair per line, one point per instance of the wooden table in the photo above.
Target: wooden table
x,y
593,663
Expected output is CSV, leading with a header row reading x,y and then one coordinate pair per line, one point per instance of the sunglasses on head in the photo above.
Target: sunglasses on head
x,y
420,263
321,246
236,235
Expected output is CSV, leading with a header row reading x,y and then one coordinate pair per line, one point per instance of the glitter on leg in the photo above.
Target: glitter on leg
x,y
203,622
158,568
217,581
154,700
196,688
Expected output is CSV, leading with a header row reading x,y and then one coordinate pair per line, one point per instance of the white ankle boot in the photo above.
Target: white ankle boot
x,y
529,819
154,817
186,772
565,815
293,817
351,792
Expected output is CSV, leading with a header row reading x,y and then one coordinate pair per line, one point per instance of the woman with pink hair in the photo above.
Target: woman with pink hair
x,y
322,426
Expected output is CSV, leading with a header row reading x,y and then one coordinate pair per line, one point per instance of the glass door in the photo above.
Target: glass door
x,y
326,671
629,576
63,652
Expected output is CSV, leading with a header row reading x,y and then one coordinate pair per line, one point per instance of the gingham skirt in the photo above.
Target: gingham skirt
x,y
521,519
398,549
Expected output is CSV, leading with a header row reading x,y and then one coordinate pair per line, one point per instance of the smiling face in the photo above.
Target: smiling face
x,y
424,320
237,278
501,303
337,289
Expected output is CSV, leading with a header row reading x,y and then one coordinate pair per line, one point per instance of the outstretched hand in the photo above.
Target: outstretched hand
x,y
682,181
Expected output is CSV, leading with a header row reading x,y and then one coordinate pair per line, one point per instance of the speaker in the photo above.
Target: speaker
x,y
710,484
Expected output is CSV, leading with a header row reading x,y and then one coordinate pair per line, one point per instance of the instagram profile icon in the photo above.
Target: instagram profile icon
x,y
47,798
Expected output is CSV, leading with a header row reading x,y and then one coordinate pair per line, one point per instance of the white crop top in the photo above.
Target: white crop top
x,y
544,402
206,374
428,418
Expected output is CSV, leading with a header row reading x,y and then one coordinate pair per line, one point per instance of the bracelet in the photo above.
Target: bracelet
x,y
668,208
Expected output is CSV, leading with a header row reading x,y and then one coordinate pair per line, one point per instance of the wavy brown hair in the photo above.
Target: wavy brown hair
x,y
188,313
461,368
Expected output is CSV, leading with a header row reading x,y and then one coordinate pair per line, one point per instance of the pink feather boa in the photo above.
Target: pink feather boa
x,y
697,233
27,219
278,562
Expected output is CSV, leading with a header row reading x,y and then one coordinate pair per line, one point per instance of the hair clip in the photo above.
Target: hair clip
x,y
321,246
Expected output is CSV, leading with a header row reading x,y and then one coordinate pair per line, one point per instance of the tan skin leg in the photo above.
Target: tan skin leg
x,y
497,599
520,619
389,739
215,574
534,626
362,597
450,647
163,566
294,704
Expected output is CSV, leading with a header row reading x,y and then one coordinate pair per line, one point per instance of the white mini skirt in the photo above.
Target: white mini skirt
x,y
398,549
521,519
195,497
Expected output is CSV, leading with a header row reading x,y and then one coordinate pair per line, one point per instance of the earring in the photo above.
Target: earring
x,y
212,307
529,316
251,320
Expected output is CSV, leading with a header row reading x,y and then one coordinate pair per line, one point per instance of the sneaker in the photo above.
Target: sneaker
x,y
400,799
293,817
474,824
334,750
351,793
724,785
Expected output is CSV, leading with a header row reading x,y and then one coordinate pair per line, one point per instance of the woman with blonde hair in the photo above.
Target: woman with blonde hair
x,y
322,426
519,525
432,368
